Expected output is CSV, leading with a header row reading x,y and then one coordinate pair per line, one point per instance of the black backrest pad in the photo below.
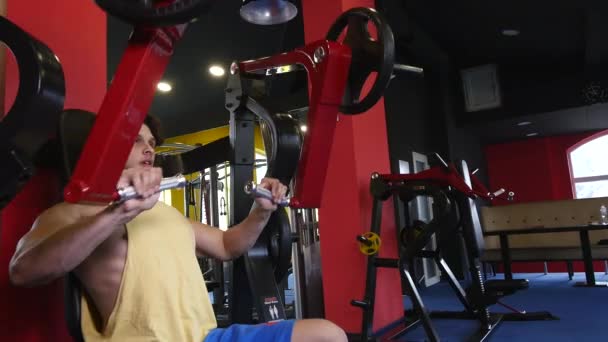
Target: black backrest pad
x,y
74,128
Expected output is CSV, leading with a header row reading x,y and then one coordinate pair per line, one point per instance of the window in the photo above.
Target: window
x,y
589,167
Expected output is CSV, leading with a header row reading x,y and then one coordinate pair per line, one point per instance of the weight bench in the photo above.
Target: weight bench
x,y
451,192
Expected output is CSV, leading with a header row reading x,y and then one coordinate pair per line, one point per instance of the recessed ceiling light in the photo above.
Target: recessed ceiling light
x,y
510,32
523,123
533,134
303,128
164,87
216,70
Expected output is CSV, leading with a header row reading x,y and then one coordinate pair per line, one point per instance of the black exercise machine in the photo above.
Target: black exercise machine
x,y
488,292
450,192
255,277
382,190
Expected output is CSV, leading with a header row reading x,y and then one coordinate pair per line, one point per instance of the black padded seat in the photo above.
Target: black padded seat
x,y
74,128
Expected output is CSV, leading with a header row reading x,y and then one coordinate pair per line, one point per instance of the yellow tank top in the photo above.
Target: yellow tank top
x,y
162,295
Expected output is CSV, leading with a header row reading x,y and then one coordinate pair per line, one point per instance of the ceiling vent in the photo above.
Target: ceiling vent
x,y
481,88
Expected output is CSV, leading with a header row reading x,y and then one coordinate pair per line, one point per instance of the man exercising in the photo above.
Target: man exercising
x,y
137,262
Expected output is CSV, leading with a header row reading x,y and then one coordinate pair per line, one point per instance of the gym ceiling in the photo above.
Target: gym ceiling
x,y
549,55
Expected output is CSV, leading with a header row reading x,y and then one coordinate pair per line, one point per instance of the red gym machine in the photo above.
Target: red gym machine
x,y
337,68
336,72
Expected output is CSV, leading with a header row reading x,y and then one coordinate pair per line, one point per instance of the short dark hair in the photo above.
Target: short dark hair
x,y
153,124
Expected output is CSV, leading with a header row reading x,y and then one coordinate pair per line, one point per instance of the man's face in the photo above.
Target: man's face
x,y
142,153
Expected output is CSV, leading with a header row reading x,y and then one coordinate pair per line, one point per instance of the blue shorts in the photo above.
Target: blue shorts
x,y
276,331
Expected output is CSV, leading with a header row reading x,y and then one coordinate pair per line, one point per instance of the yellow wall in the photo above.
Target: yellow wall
x,y
204,137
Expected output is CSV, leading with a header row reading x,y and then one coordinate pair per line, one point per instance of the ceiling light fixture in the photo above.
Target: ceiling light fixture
x,y
164,87
533,134
523,123
510,32
216,71
268,12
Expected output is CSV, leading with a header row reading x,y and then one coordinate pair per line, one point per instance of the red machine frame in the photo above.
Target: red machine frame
x,y
327,65
447,175
441,175
130,95
121,115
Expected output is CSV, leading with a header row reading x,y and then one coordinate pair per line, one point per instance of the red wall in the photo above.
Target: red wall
x,y
76,32
536,170
521,167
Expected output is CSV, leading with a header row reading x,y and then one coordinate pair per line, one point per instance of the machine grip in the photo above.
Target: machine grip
x,y
167,183
498,192
255,191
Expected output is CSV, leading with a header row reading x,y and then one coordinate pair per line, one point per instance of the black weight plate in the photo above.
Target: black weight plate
x,y
368,55
283,143
279,243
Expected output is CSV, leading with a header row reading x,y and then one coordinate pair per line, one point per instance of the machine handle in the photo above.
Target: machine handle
x,y
166,183
498,192
255,191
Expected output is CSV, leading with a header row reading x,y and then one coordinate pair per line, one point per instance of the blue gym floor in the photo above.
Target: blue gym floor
x,y
583,311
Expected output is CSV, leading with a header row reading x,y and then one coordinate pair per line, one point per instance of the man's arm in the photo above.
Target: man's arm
x,y
240,238
60,240
65,235
235,241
